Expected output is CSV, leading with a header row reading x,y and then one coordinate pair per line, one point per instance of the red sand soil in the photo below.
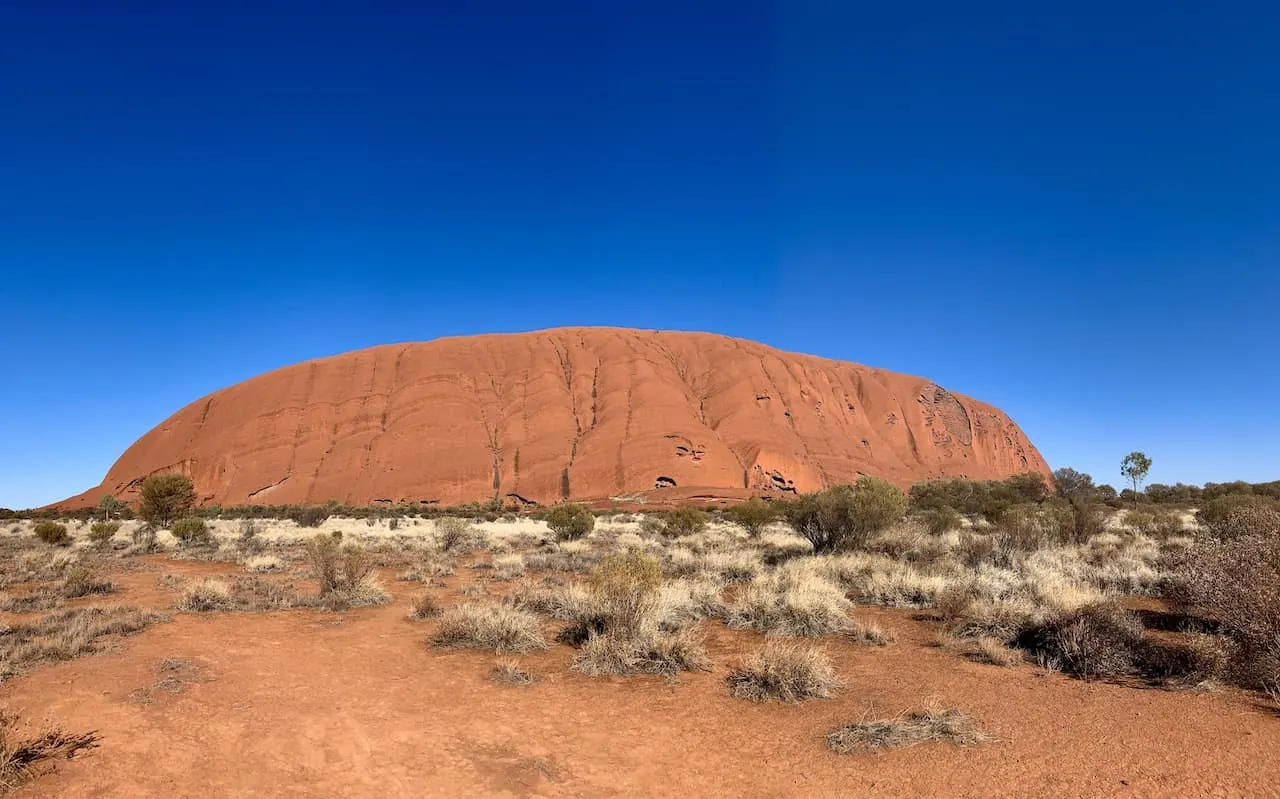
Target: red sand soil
x,y
587,413
307,703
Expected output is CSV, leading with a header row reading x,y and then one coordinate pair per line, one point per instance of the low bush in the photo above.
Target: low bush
x,y
785,673
1213,515
651,524
868,632
973,497
144,537
569,521
53,533
309,515
508,567
102,532
249,540
683,521
207,595
942,519
424,606
844,517
1235,582
192,531
454,533
80,581
263,563
1100,640
753,515
66,635
344,574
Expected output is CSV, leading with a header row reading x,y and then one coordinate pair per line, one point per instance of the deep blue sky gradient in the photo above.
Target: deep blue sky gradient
x,y
1073,213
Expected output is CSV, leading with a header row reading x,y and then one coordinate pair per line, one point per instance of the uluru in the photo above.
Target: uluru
x,y
570,413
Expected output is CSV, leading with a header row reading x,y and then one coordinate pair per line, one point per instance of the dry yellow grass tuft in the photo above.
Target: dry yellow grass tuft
x,y
500,627
931,724
784,672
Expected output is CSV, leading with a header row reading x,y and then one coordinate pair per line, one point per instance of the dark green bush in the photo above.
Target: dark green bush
x,y
191,531
569,521
165,497
974,497
844,517
102,532
942,519
753,515
53,533
309,515
683,521
1216,513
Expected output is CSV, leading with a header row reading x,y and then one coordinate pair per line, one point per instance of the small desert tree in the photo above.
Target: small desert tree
x,y
1072,484
1134,468
165,497
569,521
109,505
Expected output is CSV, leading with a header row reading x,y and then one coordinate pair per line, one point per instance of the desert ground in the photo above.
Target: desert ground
x,y
243,680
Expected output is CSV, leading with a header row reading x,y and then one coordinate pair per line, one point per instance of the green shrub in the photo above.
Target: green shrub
x,y
80,581
191,531
454,533
973,497
844,517
1213,515
942,519
753,515
569,521
1088,519
102,532
309,515
165,497
651,524
1169,523
53,533
1140,521
683,521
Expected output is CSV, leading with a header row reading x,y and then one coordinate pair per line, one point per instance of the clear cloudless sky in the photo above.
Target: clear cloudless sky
x,y
1069,210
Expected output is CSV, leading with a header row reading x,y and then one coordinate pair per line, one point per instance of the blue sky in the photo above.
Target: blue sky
x,y
1073,214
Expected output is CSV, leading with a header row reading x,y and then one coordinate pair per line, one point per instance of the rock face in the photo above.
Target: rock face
x,y
578,413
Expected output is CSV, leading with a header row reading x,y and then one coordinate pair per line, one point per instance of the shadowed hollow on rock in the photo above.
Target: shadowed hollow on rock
x,y
579,413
